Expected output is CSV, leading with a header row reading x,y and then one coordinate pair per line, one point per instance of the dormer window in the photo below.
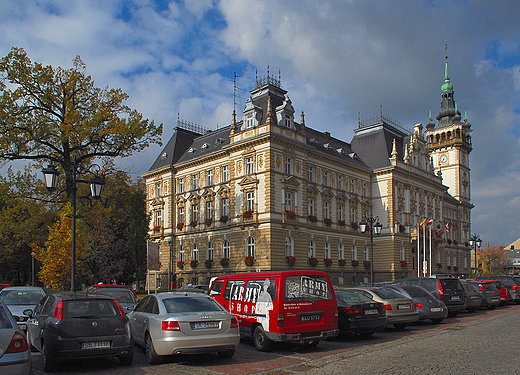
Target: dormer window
x,y
313,140
288,121
164,155
205,145
285,113
327,146
341,151
192,150
249,121
219,141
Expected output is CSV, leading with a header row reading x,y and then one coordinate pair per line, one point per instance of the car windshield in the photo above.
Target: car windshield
x,y
306,288
417,292
5,322
387,294
21,297
189,304
90,308
344,296
451,284
121,295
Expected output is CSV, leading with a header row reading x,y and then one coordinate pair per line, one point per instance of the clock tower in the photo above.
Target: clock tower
x,y
449,143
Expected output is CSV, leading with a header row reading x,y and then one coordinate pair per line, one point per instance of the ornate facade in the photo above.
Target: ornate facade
x,y
270,193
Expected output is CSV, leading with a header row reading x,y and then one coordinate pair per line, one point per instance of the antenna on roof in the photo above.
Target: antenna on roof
x,y
236,89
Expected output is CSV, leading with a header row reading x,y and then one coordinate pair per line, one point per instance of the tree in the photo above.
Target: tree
x,y
492,258
58,116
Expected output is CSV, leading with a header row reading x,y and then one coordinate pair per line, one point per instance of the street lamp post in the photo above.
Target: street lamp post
x,y
377,227
97,184
475,242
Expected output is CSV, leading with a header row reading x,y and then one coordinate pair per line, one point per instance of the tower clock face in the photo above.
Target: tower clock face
x,y
444,158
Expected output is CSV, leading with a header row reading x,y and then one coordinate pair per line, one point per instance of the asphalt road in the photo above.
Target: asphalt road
x,y
481,343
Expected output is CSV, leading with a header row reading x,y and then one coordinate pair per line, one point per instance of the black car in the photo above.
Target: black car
x,y
359,314
124,296
447,289
79,325
473,296
428,306
490,294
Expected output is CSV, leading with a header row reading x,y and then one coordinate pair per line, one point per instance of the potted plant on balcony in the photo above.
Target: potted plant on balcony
x,y
312,218
208,263
157,228
401,228
366,264
248,214
327,262
290,213
448,268
439,265
180,225
194,223
194,263
180,265
342,262
224,218
208,221
224,262
342,223
249,260
290,260
313,262
404,263
355,263
355,225
327,221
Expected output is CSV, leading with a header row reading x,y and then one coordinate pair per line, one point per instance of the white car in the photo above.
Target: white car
x,y
183,323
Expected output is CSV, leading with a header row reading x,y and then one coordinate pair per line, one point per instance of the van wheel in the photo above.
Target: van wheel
x,y
262,342
151,355
437,320
227,353
48,362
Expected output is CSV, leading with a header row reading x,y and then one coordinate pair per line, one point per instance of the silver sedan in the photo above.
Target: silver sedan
x,y
183,323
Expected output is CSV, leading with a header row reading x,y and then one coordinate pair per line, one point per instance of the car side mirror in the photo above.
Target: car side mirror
x,y
28,312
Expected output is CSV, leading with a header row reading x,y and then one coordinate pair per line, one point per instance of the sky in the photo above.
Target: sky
x,y
338,60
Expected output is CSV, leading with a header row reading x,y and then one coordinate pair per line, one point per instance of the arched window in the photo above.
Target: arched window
x,y
181,253
289,250
326,251
210,250
250,246
225,249
195,253
354,252
312,249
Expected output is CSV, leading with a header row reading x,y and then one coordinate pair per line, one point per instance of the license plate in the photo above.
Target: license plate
x,y
436,309
455,298
371,312
310,318
205,325
95,345
404,307
494,299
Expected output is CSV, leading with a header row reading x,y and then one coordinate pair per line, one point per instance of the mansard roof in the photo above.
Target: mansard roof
x,y
207,144
174,149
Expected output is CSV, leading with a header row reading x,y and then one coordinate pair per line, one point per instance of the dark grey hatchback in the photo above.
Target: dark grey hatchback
x,y
447,289
79,325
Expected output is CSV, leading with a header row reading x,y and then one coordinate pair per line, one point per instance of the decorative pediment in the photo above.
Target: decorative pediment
x,y
353,198
223,191
193,197
157,202
341,196
180,200
312,190
290,181
208,194
248,180
327,193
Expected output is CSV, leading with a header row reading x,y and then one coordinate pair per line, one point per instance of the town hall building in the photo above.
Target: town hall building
x,y
270,192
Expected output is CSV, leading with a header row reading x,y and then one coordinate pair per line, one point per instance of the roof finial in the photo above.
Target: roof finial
x,y
446,76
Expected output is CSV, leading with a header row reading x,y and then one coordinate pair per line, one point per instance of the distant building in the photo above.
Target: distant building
x,y
268,192
513,257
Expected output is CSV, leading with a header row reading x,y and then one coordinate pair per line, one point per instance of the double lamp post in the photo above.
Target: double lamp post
x,y
368,224
475,242
97,184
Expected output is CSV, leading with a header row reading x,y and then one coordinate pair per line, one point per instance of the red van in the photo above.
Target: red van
x,y
284,306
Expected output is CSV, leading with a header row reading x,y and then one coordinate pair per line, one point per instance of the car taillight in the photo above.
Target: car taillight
x,y
442,303
336,315
418,305
280,320
515,287
170,325
388,307
58,310
351,310
234,323
441,292
480,287
121,311
18,344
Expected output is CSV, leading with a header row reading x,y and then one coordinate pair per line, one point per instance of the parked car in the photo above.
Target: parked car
x,y
473,296
280,306
447,289
79,325
15,357
428,306
511,282
183,323
400,310
20,298
502,290
2,286
358,314
124,296
197,287
105,287
490,294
